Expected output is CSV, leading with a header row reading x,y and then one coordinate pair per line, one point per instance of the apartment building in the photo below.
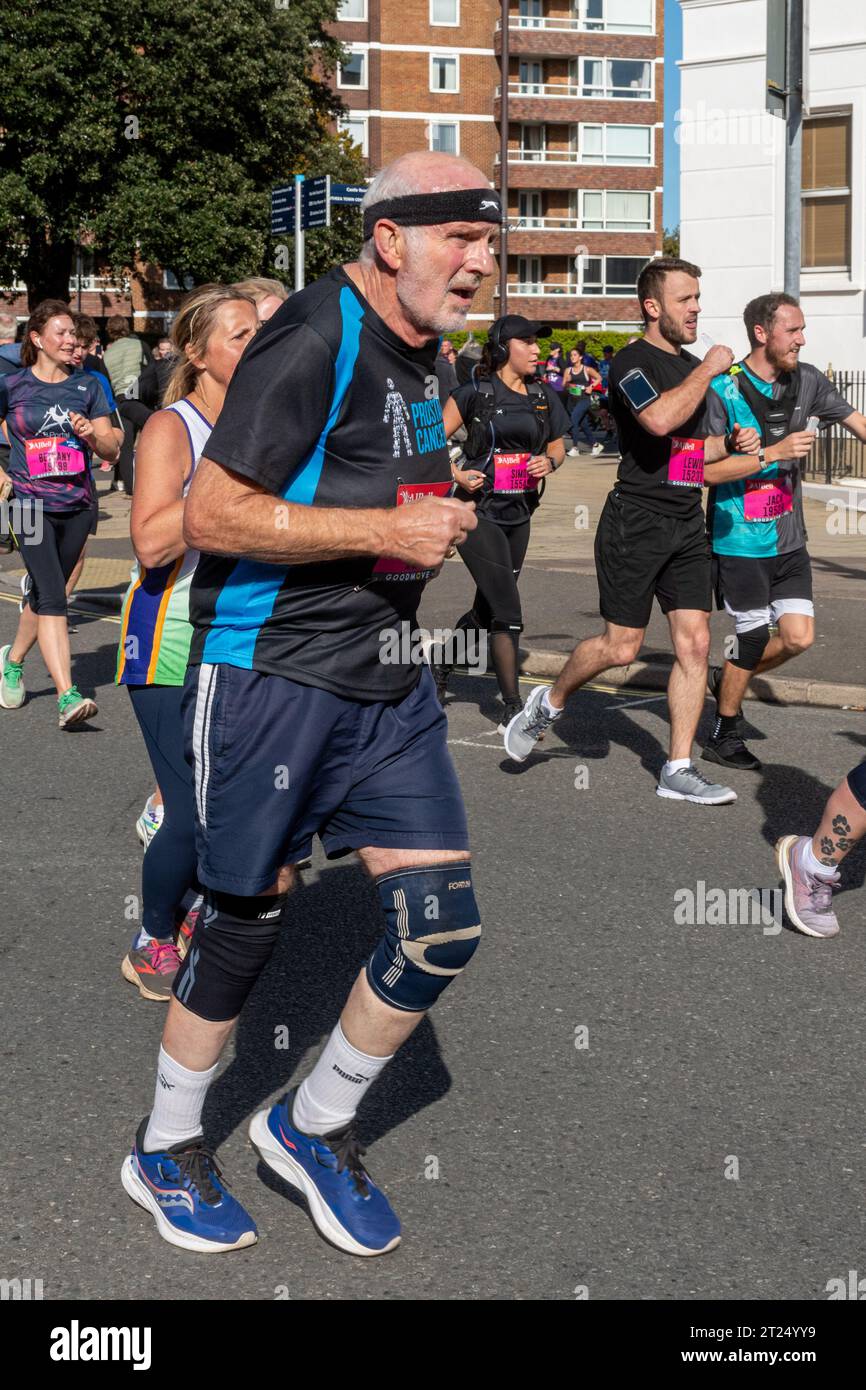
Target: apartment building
x,y
584,103
733,173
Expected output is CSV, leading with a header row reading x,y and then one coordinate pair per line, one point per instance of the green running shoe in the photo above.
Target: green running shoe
x,y
11,681
73,708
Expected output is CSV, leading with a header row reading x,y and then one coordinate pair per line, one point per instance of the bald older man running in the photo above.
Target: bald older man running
x,y
321,508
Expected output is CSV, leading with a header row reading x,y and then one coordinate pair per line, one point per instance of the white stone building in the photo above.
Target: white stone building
x,y
732,173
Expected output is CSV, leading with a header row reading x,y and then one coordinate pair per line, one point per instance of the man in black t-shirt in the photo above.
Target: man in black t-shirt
x,y
321,507
651,539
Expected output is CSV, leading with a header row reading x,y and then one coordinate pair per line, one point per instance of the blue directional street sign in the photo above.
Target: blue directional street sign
x,y
315,202
282,210
347,192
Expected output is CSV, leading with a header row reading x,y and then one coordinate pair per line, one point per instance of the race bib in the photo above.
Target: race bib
x,y
53,457
510,474
765,501
390,569
686,463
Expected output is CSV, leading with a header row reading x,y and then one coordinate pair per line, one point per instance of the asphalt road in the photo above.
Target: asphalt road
x,y
711,1049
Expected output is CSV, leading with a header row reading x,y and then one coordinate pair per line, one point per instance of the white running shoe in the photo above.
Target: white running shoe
x,y
148,823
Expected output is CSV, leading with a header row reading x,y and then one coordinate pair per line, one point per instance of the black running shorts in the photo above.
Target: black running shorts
x,y
745,585
641,555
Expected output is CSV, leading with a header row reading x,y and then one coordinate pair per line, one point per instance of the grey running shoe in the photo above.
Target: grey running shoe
x,y
808,897
528,726
153,968
11,680
688,784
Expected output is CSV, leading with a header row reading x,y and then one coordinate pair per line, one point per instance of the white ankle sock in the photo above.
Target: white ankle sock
x,y
549,709
178,1103
676,765
331,1094
813,865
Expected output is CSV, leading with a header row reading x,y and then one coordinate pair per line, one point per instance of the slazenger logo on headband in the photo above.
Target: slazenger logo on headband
x,y
488,203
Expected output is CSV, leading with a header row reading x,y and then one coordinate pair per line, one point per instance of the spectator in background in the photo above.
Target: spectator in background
x,y
163,349
125,355
554,369
266,294
10,351
446,372
446,350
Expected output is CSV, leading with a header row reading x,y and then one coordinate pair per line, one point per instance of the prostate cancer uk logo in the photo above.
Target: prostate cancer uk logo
x,y
425,417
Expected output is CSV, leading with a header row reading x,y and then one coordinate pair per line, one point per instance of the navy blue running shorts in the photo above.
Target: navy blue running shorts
x,y
276,762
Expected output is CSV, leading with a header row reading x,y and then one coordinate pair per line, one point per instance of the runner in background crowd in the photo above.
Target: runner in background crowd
x,y
55,416
514,427
267,295
579,381
213,327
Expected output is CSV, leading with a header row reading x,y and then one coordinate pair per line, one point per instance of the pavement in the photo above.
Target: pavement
x,y
620,1099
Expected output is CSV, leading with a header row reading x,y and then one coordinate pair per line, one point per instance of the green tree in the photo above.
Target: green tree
x,y
671,241
156,132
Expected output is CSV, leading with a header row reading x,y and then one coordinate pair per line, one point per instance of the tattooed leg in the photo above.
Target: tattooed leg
x,y
842,825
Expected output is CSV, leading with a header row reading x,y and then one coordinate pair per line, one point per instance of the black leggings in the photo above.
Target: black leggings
x,y
169,870
494,557
51,559
134,416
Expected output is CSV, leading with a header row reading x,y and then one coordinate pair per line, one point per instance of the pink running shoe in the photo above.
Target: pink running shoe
x,y
153,968
808,897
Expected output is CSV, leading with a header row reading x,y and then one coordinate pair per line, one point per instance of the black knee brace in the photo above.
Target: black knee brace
x,y
232,943
750,647
431,933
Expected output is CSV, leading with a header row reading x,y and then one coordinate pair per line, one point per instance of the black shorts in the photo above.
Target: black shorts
x,y
757,591
641,555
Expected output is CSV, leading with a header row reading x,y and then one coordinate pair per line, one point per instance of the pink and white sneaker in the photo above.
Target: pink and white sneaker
x,y
808,897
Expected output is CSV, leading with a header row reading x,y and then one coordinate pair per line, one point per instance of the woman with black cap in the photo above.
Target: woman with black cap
x,y
515,426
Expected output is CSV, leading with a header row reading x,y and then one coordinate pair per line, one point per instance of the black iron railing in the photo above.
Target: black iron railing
x,y
837,454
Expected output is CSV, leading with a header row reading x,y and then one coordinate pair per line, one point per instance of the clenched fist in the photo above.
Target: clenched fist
x,y
422,533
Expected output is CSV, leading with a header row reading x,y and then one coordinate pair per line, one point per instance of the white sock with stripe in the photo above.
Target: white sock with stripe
x,y
178,1103
331,1094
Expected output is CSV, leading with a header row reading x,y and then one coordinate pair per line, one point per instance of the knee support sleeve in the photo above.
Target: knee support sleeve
x,y
750,647
857,784
432,929
232,943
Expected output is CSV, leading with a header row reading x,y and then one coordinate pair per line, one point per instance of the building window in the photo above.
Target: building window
x,y
444,137
826,238
529,210
353,73
602,210
170,281
353,9
530,77
445,12
444,73
529,275
531,15
616,144
610,275
532,143
618,16
356,129
611,78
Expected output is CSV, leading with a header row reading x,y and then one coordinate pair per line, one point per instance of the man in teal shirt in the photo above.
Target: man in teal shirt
x,y
757,532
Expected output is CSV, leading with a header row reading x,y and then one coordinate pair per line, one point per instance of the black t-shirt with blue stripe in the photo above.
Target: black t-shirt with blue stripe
x,y
328,408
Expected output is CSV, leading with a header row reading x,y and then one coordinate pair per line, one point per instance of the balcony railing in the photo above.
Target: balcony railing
x,y
574,92
535,289
542,157
543,224
90,283
586,26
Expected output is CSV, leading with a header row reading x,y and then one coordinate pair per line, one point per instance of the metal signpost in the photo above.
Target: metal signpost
x,y
787,90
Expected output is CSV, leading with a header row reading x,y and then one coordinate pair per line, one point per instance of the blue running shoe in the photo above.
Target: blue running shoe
x,y
184,1190
346,1206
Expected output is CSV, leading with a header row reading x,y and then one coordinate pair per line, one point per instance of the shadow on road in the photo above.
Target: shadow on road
x,y
329,929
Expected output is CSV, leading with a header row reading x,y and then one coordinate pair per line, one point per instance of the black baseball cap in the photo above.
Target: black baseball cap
x,y
516,326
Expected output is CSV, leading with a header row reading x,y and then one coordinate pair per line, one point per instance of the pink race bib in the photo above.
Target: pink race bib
x,y
686,463
53,457
389,568
510,474
765,501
